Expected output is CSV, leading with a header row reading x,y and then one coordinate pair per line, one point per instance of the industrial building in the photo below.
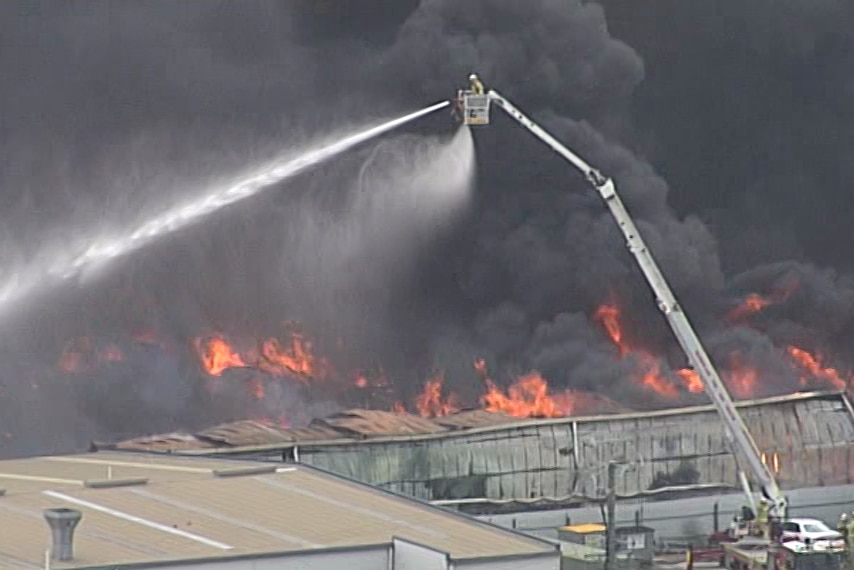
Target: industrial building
x,y
481,461
156,511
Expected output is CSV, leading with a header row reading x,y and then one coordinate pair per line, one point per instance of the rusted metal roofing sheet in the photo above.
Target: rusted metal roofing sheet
x,y
160,443
366,423
807,439
247,432
311,433
356,425
473,419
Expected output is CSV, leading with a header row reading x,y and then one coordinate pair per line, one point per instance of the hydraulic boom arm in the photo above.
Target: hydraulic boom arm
x,y
676,318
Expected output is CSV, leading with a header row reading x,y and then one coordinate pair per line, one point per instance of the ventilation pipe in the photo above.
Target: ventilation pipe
x,y
62,523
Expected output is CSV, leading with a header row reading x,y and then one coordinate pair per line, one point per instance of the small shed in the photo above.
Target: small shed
x,y
638,542
591,534
576,556
580,557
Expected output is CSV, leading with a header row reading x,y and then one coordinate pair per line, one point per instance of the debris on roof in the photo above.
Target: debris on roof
x,y
473,419
347,425
366,423
246,432
356,425
163,442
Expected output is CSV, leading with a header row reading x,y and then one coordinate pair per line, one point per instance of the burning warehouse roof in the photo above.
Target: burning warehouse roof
x,y
807,439
514,280
290,372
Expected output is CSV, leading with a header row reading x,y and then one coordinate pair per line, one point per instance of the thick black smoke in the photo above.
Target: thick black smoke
x,y
727,130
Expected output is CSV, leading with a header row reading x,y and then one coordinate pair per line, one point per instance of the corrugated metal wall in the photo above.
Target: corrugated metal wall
x,y
812,439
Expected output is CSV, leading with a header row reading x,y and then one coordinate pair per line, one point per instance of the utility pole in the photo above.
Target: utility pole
x,y
611,523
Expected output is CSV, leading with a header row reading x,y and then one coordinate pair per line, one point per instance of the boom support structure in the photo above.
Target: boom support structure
x,y
689,341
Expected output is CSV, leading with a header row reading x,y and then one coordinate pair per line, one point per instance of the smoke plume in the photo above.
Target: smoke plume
x,y
728,132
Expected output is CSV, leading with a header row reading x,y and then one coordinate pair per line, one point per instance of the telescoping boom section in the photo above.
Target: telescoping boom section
x,y
472,101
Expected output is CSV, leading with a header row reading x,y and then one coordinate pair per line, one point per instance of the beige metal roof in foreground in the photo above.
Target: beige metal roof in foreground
x,y
180,508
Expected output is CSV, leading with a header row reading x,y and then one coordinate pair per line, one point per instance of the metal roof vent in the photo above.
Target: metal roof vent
x,y
62,523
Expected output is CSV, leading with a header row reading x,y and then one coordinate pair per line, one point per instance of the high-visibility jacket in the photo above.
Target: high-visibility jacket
x,y
762,513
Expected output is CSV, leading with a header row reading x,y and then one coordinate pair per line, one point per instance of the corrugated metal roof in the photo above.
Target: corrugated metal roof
x,y
366,423
357,424
164,442
247,432
186,512
808,438
311,433
468,419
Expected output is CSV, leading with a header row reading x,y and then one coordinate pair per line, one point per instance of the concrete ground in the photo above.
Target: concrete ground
x,y
671,564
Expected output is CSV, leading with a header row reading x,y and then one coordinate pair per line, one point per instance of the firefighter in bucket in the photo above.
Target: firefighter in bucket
x,y
476,84
471,106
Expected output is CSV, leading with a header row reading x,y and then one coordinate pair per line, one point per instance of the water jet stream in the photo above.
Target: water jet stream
x,y
21,284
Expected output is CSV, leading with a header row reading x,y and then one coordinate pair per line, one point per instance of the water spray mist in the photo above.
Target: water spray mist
x,y
101,250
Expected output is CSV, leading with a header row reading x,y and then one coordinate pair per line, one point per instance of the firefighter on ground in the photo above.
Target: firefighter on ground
x,y
762,518
849,541
842,526
476,84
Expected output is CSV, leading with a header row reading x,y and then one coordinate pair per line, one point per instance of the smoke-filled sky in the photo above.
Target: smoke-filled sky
x,y
728,129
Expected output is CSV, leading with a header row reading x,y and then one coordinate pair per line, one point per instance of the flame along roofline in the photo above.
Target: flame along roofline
x,y
208,450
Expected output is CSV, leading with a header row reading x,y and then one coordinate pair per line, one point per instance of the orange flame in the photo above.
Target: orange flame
x,y
81,355
430,403
751,305
71,361
257,389
649,369
297,358
755,302
112,353
656,381
775,461
812,366
480,367
743,382
217,355
608,316
281,422
292,358
528,397
691,380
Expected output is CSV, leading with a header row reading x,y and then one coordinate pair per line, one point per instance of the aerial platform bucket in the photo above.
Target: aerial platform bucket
x,y
475,109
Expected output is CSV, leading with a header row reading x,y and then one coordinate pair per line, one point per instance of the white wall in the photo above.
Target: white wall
x,y
515,563
412,556
356,559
